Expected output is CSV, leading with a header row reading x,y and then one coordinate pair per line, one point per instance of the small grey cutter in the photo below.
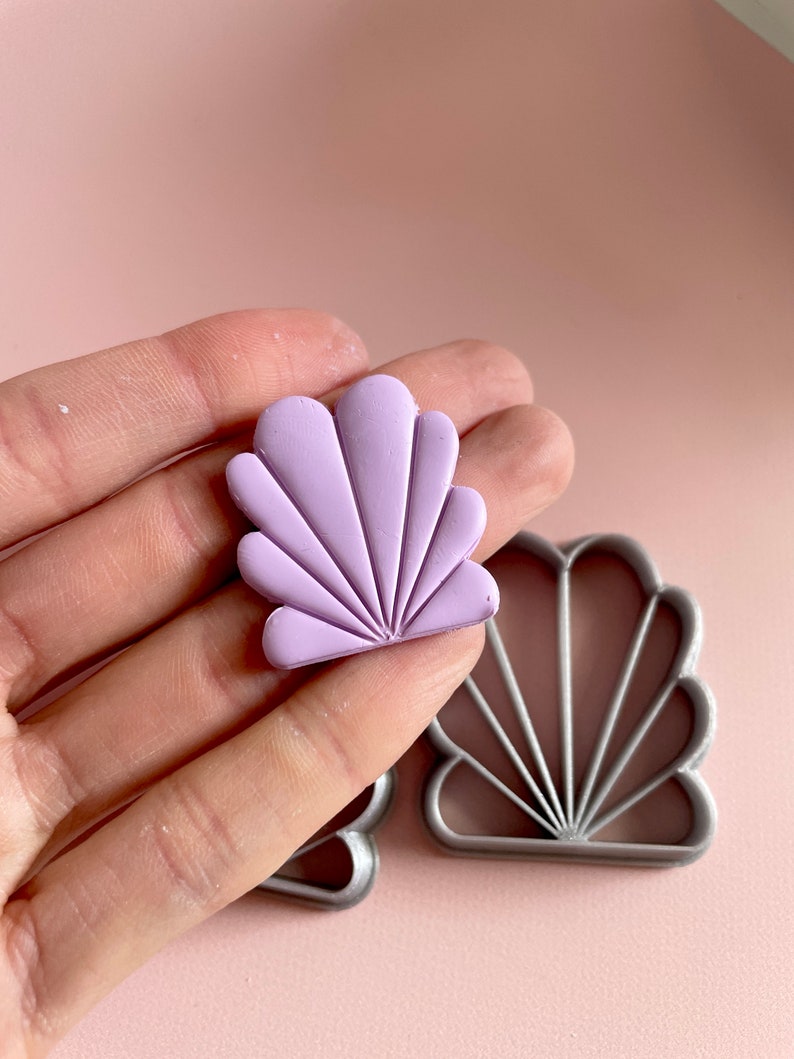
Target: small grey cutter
x,y
362,855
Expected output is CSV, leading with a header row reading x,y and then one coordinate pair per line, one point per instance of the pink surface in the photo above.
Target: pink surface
x,y
605,188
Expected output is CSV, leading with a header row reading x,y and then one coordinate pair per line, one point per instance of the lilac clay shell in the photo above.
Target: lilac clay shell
x,y
361,535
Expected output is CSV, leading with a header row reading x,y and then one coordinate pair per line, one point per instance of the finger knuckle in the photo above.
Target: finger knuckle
x,y
24,954
477,347
491,358
554,450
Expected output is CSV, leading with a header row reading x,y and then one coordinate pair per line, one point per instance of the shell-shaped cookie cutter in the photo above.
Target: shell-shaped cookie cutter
x,y
569,802
362,856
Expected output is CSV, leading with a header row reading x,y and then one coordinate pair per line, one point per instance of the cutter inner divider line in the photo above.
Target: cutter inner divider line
x,y
628,670
630,748
630,800
508,792
565,692
515,758
521,711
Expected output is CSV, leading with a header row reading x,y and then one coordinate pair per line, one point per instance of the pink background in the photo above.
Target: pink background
x,y
607,189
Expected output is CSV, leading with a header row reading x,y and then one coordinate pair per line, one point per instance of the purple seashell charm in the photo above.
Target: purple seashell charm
x,y
362,537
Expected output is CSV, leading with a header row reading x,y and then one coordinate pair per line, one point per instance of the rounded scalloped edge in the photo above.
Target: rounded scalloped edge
x,y
362,538
363,850
682,770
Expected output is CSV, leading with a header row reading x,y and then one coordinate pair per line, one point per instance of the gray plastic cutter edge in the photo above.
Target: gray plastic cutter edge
x,y
357,837
571,817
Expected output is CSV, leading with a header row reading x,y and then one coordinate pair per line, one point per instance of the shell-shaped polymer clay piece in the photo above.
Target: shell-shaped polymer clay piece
x,y
578,732
361,535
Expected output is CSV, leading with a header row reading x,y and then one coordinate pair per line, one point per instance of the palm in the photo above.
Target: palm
x,y
131,807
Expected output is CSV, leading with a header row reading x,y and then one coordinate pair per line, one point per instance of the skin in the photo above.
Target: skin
x,y
132,805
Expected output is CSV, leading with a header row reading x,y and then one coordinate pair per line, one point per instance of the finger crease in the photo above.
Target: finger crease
x,y
49,778
200,857
24,947
186,371
44,438
327,745
29,654
186,524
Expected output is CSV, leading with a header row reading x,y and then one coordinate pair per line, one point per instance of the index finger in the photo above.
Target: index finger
x,y
74,432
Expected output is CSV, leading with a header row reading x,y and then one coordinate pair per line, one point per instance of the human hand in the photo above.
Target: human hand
x,y
187,770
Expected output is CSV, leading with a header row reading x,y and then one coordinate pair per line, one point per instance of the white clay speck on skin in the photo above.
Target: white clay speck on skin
x,y
64,408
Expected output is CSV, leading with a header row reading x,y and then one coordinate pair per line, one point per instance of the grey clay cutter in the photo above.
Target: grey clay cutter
x,y
575,803
361,861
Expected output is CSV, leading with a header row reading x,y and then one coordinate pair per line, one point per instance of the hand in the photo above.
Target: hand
x,y
186,770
